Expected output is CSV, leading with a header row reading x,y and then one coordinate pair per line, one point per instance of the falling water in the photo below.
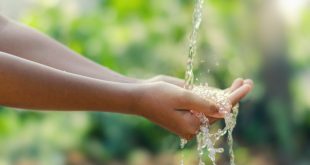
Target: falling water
x,y
189,75
205,139
197,16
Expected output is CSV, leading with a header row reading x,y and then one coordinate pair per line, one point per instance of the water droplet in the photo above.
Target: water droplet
x,y
205,139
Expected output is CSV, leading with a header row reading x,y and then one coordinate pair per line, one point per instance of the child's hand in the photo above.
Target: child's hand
x,y
169,105
239,89
237,95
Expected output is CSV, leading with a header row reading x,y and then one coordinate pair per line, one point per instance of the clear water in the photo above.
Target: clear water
x,y
197,17
206,139
189,74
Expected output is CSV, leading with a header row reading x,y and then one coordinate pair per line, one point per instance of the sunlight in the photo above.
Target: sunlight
x,y
291,9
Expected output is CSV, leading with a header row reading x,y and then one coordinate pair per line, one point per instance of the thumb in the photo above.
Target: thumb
x,y
196,103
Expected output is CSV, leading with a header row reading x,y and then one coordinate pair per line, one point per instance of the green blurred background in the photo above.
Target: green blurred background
x,y
266,40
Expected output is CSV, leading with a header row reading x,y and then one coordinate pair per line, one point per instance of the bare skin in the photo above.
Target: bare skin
x,y
37,72
27,43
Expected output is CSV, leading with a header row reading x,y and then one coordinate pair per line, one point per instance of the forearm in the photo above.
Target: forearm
x,y
26,84
29,44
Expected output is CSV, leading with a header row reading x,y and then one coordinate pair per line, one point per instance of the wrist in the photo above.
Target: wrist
x,y
129,98
137,93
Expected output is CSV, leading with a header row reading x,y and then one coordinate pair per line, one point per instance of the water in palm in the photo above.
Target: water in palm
x,y
206,139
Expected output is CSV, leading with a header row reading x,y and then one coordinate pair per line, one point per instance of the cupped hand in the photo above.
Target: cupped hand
x,y
169,105
238,90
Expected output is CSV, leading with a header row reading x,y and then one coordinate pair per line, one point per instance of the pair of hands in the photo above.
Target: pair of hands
x,y
164,101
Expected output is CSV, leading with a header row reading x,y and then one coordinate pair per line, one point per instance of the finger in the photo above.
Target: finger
x,y
189,137
238,94
173,121
193,123
249,81
194,102
235,85
188,125
212,120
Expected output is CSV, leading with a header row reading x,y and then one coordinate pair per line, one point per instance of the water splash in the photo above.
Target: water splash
x,y
197,17
206,139
189,74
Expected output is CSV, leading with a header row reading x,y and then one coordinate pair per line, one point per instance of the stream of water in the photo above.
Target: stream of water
x,y
206,139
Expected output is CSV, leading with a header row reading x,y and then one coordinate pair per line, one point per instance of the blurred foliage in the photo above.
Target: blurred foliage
x,y
142,38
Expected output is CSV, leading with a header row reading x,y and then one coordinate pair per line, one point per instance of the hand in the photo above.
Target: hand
x,y
239,89
236,93
169,106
